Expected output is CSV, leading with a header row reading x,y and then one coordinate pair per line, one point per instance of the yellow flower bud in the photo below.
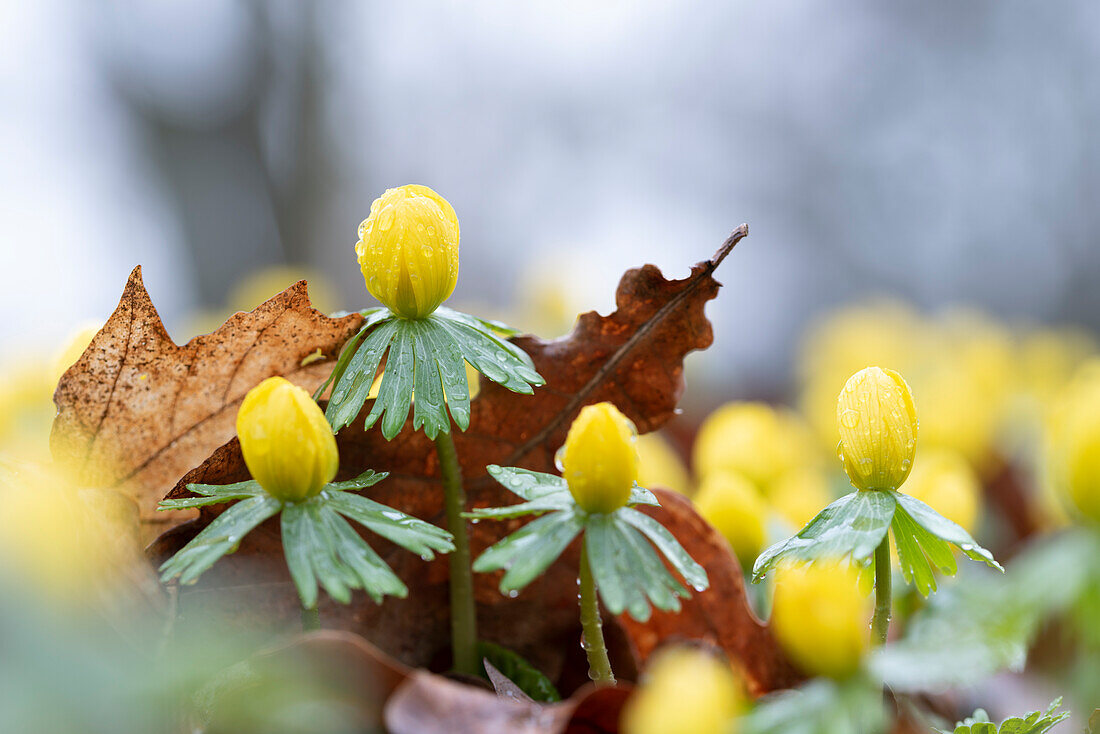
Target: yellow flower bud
x,y
685,691
735,508
599,459
944,480
878,429
286,441
820,617
408,250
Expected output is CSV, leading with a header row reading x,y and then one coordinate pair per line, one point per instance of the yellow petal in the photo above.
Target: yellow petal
x,y
685,691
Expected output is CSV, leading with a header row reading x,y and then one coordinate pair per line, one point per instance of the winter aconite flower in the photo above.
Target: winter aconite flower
x,y
408,250
878,429
1073,441
286,442
599,459
820,617
685,691
291,452
878,436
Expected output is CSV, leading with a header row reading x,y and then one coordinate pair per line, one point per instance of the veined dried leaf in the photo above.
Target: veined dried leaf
x,y
137,410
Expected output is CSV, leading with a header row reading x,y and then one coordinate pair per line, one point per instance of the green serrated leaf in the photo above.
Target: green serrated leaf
x,y
374,576
444,354
1033,723
529,551
915,567
940,527
641,496
220,537
526,483
527,677
662,589
396,388
670,548
499,360
353,385
430,405
212,494
412,534
613,570
367,479
373,317
852,526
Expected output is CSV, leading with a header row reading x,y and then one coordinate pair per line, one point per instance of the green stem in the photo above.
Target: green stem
x,y
880,623
599,667
463,614
311,619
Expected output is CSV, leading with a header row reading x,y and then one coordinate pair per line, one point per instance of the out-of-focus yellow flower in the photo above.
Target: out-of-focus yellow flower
x,y
286,441
408,250
878,428
799,495
68,544
1048,359
945,481
735,508
660,466
1073,441
820,616
685,691
753,439
599,459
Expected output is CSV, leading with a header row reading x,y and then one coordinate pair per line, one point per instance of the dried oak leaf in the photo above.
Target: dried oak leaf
x,y
632,357
137,410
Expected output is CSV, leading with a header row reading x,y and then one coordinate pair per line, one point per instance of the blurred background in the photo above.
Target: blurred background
x,y
941,153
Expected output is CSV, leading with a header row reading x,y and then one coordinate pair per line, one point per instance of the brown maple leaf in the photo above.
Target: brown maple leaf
x,y
137,410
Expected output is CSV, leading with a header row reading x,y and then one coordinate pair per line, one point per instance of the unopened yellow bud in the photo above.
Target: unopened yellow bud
x,y
286,441
820,617
408,250
945,481
735,508
685,691
599,459
878,429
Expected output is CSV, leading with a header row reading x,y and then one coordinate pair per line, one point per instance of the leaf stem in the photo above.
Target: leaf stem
x,y
463,613
880,623
599,666
311,619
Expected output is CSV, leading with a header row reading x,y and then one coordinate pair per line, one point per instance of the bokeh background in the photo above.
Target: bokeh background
x,y
938,152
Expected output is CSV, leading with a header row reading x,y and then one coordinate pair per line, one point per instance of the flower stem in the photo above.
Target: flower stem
x,y
463,614
311,619
880,623
599,667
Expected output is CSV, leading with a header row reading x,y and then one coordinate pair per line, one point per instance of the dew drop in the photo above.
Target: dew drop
x,y
559,459
849,418
427,251
513,594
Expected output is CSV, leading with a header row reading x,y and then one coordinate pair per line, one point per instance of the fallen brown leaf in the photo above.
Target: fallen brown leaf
x,y
137,411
